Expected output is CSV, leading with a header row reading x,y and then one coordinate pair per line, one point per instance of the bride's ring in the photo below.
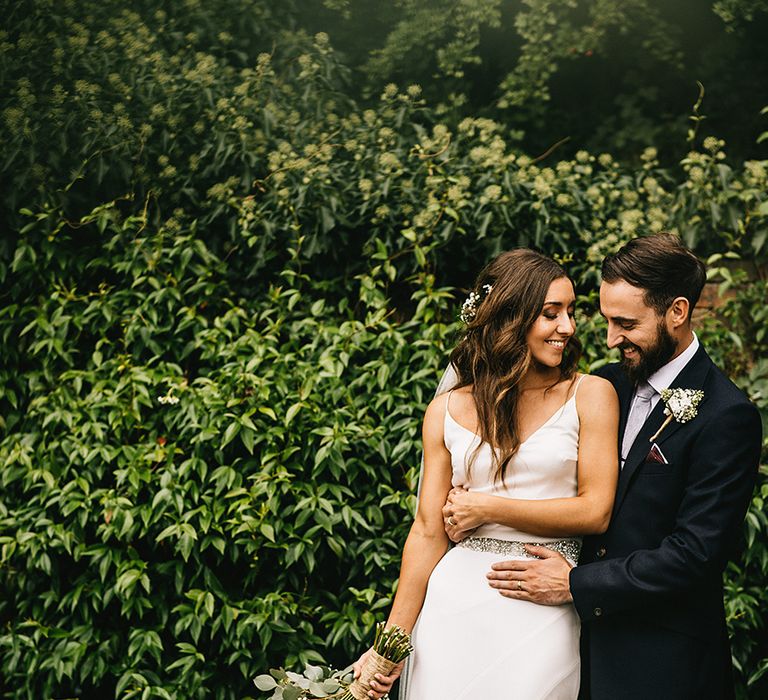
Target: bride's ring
x,y
451,521
519,585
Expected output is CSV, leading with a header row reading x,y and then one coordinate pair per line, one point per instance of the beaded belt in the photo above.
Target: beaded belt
x,y
568,548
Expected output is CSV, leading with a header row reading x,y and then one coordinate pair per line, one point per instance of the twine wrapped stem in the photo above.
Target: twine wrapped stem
x,y
390,647
375,663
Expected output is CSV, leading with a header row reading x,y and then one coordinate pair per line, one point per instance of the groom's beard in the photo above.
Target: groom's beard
x,y
649,359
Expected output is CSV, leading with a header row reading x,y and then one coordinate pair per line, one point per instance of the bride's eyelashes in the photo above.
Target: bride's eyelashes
x,y
553,317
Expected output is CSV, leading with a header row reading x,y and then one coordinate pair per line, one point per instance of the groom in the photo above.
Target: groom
x,y
649,591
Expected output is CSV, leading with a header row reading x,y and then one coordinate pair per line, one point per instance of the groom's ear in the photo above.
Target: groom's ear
x,y
677,313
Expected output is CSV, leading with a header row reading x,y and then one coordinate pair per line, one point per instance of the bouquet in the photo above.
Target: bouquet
x,y
315,682
390,647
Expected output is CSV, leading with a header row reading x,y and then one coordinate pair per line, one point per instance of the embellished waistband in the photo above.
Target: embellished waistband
x,y
568,548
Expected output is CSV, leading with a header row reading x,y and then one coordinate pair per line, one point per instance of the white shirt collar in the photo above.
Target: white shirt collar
x,y
664,376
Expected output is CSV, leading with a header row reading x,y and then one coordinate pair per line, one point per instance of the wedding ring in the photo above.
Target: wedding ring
x,y
519,585
451,521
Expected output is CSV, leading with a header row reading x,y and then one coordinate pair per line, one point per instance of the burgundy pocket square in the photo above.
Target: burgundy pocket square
x,y
656,455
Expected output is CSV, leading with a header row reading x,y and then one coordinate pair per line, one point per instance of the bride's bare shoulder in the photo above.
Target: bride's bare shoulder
x,y
591,383
595,394
460,401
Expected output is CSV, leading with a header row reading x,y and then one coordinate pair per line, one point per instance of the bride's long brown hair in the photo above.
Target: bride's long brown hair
x,y
493,355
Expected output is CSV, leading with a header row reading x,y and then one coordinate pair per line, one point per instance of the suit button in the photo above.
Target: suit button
x,y
598,612
601,552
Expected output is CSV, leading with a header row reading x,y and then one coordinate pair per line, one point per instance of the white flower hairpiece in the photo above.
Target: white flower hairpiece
x,y
681,404
469,307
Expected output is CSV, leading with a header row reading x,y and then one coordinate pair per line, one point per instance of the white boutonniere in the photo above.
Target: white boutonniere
x,y
681,404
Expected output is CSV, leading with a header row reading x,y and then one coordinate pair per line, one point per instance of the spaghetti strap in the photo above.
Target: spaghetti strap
x,y
448,400
576,388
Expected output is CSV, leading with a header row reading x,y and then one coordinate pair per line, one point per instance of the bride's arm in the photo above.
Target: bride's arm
x,y
427,540
586,513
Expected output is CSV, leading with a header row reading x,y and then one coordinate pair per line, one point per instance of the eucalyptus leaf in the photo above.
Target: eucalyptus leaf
x,y
265,682
314,673
291,693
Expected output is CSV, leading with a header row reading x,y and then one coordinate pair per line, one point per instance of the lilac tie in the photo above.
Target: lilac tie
x,y
638,414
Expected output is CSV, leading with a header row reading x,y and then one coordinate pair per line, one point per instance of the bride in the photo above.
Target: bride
x,y
522,451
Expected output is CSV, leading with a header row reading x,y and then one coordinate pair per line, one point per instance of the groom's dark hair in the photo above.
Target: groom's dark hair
x,y
662,266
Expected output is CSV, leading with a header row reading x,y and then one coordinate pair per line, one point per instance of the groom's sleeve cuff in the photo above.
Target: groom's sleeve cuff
x,y
587,606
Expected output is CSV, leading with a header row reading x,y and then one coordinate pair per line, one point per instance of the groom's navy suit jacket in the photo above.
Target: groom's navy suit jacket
x,y
649,591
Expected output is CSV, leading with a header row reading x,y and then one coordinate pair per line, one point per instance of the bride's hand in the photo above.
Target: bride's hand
x,y
463,513
380,685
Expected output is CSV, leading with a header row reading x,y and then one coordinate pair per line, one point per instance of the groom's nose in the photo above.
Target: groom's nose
x,y
614,337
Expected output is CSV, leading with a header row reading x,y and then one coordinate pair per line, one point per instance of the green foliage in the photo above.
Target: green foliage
x,y
190,466
552,32
447,30
227,294
738,342
736,11
530,63
447,37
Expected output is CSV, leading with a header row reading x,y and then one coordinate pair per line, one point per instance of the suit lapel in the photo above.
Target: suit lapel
x,y
692,376
625,392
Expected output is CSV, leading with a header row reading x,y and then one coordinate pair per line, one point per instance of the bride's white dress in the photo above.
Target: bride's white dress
x,y
470,642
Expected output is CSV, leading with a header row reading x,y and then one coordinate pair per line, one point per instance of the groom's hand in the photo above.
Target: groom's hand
x,y
543,581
